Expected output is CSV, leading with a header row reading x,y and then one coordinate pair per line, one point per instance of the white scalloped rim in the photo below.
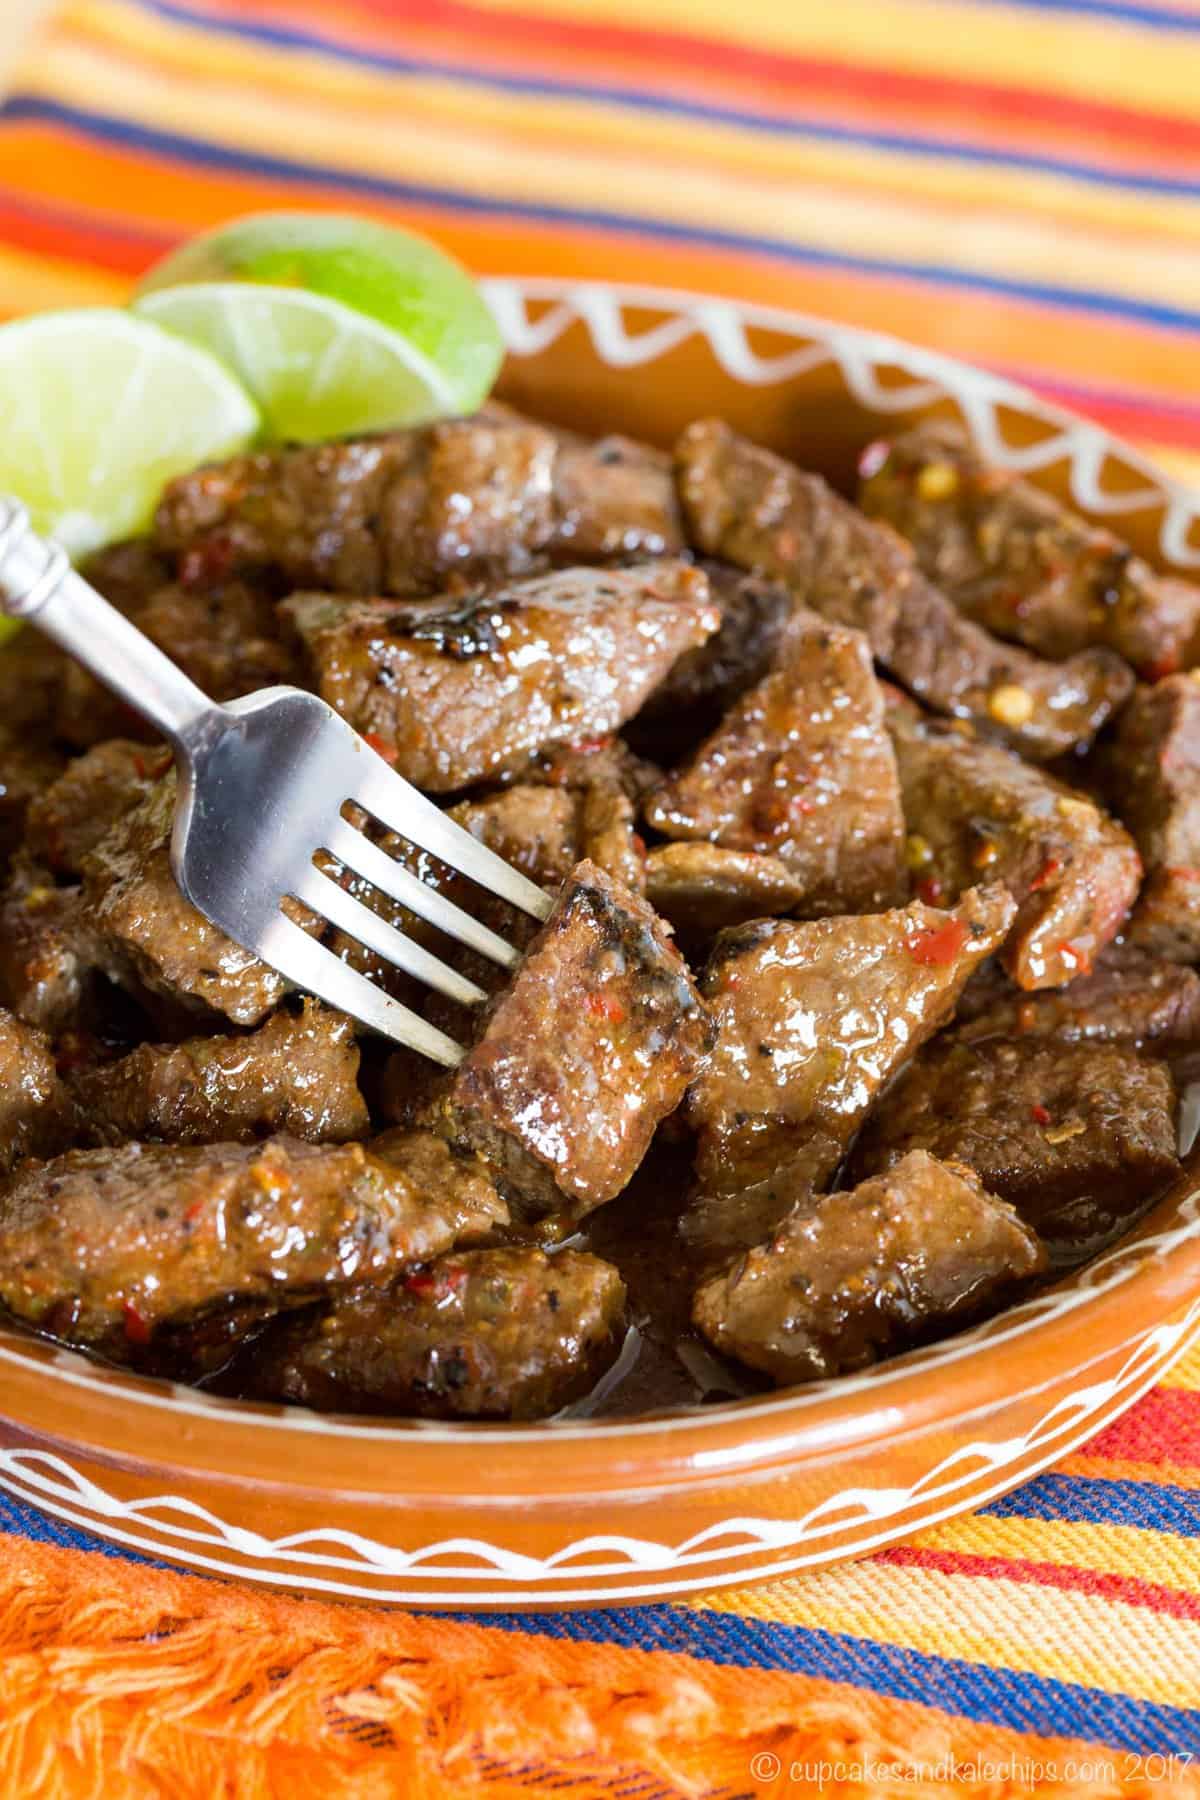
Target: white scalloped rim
x,y
333,1561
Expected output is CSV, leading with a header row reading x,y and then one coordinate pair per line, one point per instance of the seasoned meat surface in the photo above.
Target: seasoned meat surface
x,y
754,618
73,814
811,1021
104,1247
298,1074
31,672
1077,1136
864,1273
701,888
1016,560
592,1044
34,1114
43,959
26,768
463,695
801,768
975,811
614,498
754,509
1153,776
475,1334
1128,997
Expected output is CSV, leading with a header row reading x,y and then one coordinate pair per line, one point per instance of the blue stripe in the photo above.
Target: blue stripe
x,y
1007,1697
1158,18
645,100
1143,1504
312,175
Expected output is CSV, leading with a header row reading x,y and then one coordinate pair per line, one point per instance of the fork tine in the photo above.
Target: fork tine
x,y
357,852
318,971
403,808
324,895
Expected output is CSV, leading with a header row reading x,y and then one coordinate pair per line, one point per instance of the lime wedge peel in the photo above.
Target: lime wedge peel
x,y
99,410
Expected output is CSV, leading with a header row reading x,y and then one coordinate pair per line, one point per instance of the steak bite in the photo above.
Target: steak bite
x,y
462,695
72,814
756,510
614,498
44,961
1153,776
476,1334
813,1019
865,1273
591,1045
1020,563
298,1074
26,768
145,933
105,1247
1128,997
1077,1136
702,889
707,680
34,1114
801,768
974,809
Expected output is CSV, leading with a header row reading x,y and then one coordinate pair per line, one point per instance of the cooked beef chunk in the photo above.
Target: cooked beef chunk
x,y
614,498
1020,563
865,1273
127,574
975,810
1129,997
464,695
605,761
758,511
26,768
1153,776
31,672
802,768
143,930
702,889
74,813
591,1045
1077,1136
102,1247
298,1074
706,681
34,1114
477,1334
813,1019
228,639
43,955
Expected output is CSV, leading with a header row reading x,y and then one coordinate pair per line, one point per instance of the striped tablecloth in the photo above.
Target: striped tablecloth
x,y
1017,183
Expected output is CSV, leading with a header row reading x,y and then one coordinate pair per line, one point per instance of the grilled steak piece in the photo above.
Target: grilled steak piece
x,y
974,809
104,1247
1153,778
706,681
34,1114
127,574
1129,997
43,957
72,814
298,1074
813,1019
461,696
1077,1136
1020,563
702,889
476,1334
861,1274
31,672
26,768
142,931
760,512
801,768
591,1045
475,499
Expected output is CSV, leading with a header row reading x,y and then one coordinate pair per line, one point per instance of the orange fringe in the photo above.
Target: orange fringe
x,y
119,1682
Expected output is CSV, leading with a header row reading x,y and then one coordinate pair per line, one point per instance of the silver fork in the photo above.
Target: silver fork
x,y
262,786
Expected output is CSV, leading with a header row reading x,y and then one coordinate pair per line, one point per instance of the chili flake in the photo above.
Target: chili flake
x,y
1039,1114
605,1006
939,945
137,1328
381,747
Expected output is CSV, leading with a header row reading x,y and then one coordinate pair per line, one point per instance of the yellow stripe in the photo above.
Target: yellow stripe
x,y
191,53
596,177
1054,1633
30,283
1113,1549
1186,1372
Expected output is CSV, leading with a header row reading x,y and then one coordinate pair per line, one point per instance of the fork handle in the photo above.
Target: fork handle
x,y
37,583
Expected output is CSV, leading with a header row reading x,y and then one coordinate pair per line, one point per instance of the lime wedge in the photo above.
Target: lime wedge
x,y
335,324
98,410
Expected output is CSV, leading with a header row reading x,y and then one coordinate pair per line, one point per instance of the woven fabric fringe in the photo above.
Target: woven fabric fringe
x,y
122,1681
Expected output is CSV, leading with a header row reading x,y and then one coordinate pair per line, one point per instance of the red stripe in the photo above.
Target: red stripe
x,y
1162,1428
1151,1594
75,237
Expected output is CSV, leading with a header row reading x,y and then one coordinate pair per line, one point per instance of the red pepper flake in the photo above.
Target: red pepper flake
x,y
1039,1114
1180,872
1076,957
194,1210
605,1006
939,945
1049,869
800,803
874,458
207,564
590,746
639,844
930,889
1166,665
381,747
137,1329
423,1283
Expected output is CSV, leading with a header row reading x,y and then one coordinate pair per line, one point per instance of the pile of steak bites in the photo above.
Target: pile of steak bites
x,y
874,836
